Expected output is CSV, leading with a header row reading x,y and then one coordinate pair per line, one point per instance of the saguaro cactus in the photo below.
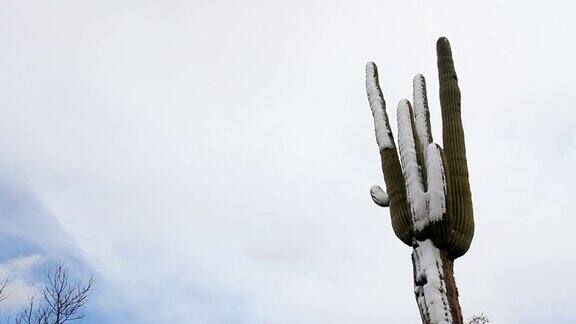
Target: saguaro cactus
x,y
428,192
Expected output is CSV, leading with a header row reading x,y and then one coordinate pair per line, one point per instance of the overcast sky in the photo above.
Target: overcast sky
x,y
211,161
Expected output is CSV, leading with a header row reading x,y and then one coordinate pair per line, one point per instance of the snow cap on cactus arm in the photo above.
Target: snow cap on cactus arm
x,y
377,105
421,112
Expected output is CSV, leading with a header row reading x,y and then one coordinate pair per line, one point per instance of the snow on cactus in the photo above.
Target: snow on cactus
x,y
377,105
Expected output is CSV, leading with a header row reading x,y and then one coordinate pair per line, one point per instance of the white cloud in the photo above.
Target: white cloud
x,y
21,285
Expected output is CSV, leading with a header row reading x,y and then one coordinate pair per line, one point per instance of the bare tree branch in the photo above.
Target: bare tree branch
x,y
61,299
3,286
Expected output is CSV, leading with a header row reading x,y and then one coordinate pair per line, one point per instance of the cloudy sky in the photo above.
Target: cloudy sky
x,y
210,161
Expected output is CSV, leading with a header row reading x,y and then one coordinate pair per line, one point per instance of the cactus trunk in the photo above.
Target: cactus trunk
x,y
434,285
450,311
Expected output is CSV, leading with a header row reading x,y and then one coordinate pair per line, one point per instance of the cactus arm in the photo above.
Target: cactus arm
x,y
459,208
378,107
410,166
421,112
379,196
395,185
421,126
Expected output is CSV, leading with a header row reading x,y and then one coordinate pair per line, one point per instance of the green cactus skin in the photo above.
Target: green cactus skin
x,y
457,234
401,218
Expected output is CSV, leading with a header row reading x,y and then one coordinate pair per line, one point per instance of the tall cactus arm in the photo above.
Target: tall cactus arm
x,y
378,107
410,166
421,125
459,207
393,177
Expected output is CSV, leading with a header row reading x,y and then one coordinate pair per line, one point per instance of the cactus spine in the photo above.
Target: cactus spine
x,y
427,188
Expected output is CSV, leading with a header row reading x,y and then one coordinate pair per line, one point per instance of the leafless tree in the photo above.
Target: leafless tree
x,y
61,299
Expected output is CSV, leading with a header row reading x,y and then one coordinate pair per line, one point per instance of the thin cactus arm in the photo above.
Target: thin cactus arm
x,y
460,198
396,191
378,107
